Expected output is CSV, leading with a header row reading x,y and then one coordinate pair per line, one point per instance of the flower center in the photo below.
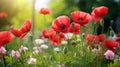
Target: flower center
x,y
62,26
80,19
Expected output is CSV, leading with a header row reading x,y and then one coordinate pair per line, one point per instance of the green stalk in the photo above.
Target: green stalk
x,y
94,26
45,21
102,21
4,65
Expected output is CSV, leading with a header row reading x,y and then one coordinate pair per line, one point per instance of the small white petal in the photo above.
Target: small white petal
x,y
57,49
23,48
32,61
64,42
69,35
44,46
39,41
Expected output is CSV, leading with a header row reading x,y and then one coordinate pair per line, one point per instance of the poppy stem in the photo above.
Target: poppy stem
x,y
3,61
102,21
45,21
94,28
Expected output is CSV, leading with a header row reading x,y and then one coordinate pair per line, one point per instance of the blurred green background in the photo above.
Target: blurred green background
x,y
20,10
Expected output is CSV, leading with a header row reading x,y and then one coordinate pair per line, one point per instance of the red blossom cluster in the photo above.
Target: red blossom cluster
x,y
62,24
6,36
102,40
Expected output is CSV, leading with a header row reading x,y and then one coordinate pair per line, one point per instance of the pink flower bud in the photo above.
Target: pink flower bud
x,y
15,54
31,61
2,51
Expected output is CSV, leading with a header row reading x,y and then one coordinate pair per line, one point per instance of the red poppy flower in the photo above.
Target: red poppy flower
x,y
3,14
15,31
92,40
45,11
61,24
62,36
56,39
74,28
101,37
5,37
111,45
81,18
25,28
118,37
48,33
99,12
118,34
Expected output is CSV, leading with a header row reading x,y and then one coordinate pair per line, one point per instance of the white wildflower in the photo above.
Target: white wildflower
x,y
23,48
32,60
43,46
57,49
35,51
69,35
39,41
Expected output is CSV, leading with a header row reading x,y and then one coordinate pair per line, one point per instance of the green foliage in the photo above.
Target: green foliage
x,y
116,63
13,62
72,55
64,9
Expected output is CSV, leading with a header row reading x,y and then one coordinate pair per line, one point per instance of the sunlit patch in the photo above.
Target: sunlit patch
x,y
40,4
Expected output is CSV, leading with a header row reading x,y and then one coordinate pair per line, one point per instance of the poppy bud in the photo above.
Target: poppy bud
x,y
65,49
